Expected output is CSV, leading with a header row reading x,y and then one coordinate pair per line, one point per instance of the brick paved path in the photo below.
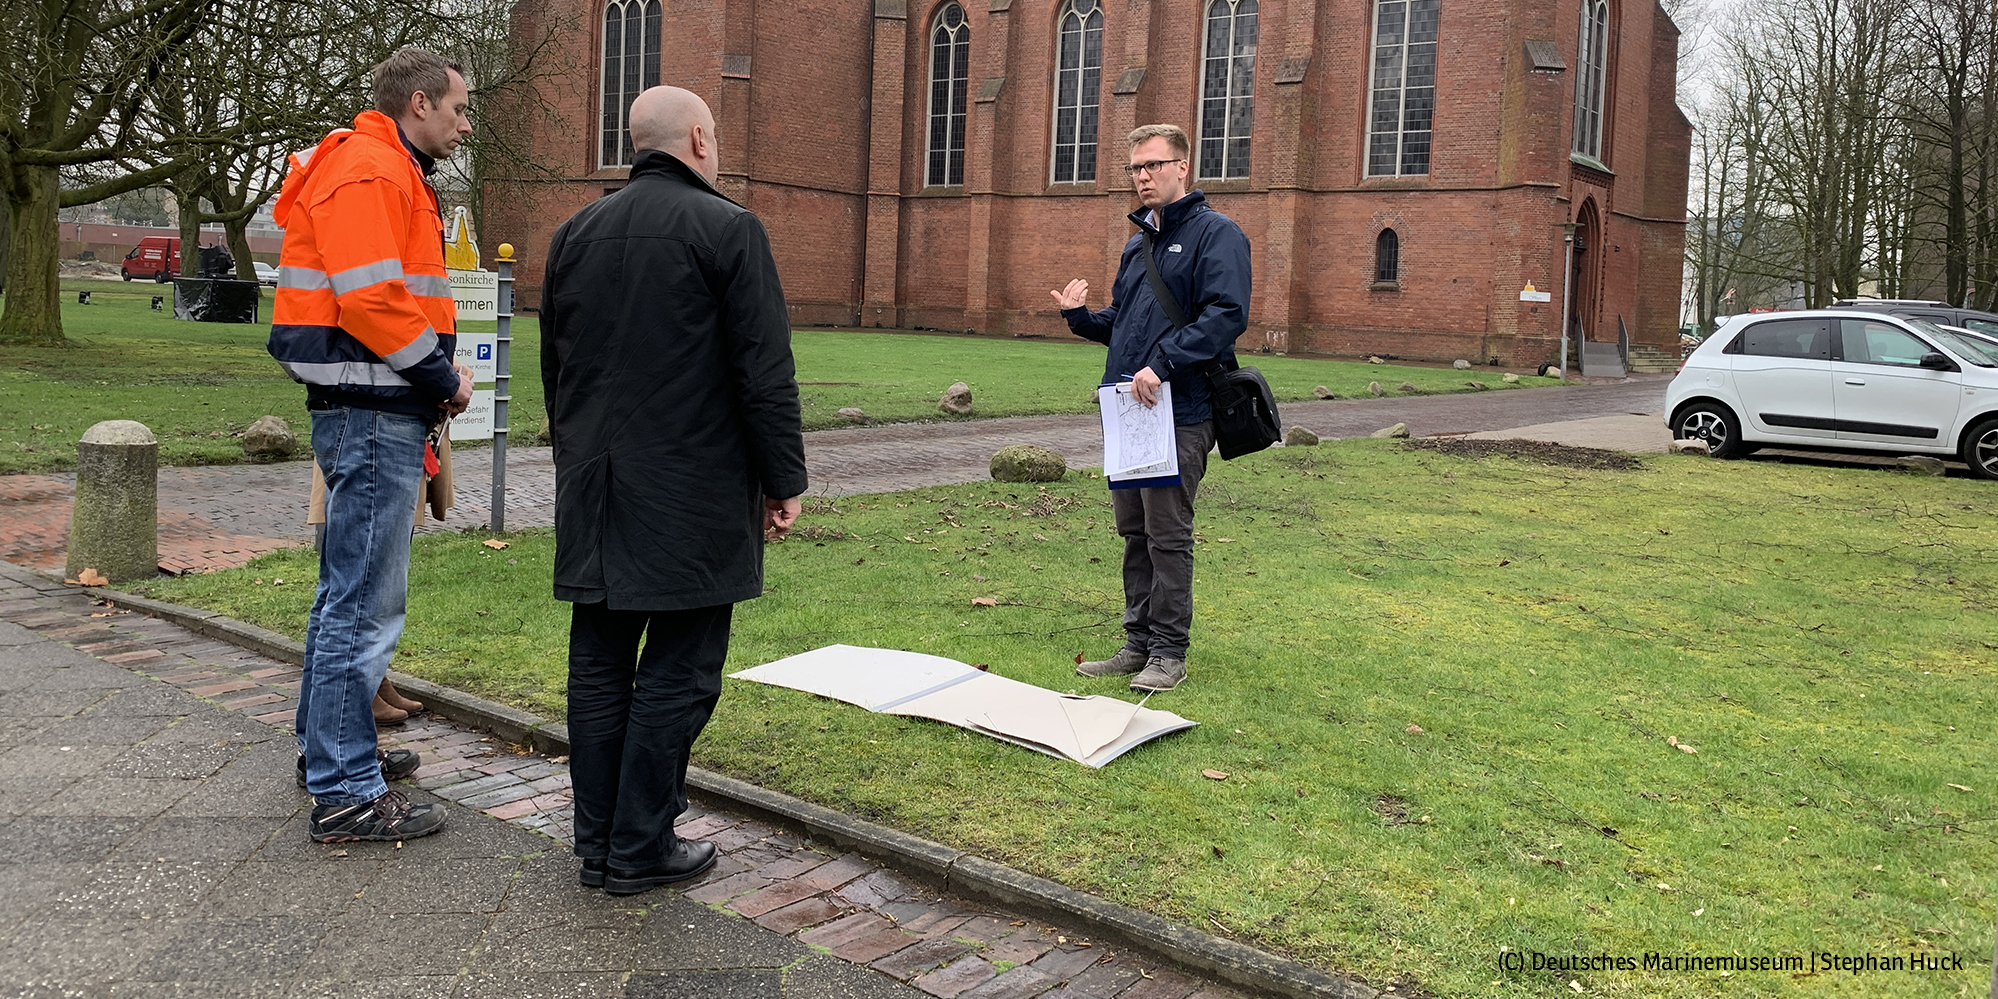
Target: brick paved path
x,y
156,847
223,516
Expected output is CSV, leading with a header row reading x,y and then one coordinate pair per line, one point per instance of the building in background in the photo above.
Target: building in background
x,y
1405,169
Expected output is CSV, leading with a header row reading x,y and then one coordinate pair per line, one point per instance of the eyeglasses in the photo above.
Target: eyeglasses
x,y
1152,166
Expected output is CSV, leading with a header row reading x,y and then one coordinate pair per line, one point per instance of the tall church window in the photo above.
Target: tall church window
x,y
1590,58
1227,89
631,65
1403,104
950,74
1078,86
1387,257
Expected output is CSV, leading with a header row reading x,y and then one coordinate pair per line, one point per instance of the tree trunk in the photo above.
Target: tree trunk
x,y
6,236
34,297
190,234
239,249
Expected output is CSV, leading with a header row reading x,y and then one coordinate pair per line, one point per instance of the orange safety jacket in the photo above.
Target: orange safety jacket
x,y
363,313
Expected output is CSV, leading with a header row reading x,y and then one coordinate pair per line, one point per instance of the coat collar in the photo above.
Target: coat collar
x,y
654,161
1172,215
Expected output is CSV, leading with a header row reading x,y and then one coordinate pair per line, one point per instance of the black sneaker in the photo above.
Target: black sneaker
x,y
593,872
389,817
396,764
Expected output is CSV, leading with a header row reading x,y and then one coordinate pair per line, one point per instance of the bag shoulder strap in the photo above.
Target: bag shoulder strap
x,y
1173,310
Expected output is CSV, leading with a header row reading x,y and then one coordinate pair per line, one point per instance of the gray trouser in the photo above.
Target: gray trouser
x,y
1157,525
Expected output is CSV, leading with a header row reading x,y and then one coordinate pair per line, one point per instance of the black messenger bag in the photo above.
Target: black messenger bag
x,y
1245,412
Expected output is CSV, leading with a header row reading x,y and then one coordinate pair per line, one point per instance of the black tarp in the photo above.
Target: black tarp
x,y
214,300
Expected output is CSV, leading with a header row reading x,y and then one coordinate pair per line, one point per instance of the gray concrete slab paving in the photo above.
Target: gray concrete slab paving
x,y
169,857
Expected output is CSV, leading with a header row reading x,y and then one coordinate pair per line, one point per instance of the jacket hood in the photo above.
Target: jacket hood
x,y
373,124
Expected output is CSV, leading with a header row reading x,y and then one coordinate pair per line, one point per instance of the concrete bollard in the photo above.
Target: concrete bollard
x,y
115,527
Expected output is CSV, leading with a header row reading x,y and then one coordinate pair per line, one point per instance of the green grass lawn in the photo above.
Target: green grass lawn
x,y
1450,695
198,385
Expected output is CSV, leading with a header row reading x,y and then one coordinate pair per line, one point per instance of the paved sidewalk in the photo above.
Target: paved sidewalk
x,y
222,516
1635,434
158,848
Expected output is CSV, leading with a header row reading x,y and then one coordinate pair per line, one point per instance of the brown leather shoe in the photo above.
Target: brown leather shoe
x,y
387,692
388,715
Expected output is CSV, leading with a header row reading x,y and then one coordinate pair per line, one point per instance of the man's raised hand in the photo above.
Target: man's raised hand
x,y
1075,296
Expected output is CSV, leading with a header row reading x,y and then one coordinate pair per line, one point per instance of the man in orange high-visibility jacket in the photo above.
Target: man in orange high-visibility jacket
x,y
364,318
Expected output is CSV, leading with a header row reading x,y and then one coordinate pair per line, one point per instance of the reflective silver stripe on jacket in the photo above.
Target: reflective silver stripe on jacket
x,y
342,373
303,278
366,276
417,350
429,285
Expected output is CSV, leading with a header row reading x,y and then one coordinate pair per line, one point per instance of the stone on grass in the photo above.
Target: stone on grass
x,y
1324,393
1509,378
1374,359
1299,437
1477,386
1028,463
1460,364
1921,463
1690,445
269,437
1398,430
1374,389
1409,387
853,414
956,400
114,525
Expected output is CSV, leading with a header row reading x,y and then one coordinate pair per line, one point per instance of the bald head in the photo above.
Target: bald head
x,y
678,122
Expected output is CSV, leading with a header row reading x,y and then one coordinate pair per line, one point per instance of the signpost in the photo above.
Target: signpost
x,y
504,344
483,295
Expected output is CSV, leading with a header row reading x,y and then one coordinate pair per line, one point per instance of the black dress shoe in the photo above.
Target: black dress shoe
x,y
593,873
689,860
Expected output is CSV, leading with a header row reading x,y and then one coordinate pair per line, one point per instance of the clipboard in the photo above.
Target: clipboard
x,y
1140,444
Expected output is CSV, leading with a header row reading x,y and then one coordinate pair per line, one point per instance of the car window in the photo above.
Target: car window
x,y
1979,352
1786,338
1868,342
1980,325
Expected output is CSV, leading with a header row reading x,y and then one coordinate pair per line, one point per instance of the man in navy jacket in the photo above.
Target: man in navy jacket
x,y
1203,259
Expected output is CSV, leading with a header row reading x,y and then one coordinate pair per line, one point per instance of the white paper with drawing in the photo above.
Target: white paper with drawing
x,y
1091,731
1139,441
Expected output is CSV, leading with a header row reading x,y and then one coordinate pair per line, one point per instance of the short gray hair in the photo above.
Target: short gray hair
x,y
409,72
1174,135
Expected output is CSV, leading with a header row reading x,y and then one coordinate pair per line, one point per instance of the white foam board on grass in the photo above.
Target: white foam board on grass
x,y
1090,730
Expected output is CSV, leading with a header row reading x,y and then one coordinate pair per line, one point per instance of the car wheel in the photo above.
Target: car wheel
x,y
1713,423
1980,449
125,274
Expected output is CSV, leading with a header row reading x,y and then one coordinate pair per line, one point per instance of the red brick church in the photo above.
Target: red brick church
x,y
1404,169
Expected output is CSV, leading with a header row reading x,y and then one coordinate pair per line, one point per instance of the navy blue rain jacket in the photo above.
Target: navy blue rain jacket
x,y
1204,258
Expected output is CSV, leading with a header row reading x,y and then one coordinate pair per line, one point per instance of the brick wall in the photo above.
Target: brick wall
x,y
822,110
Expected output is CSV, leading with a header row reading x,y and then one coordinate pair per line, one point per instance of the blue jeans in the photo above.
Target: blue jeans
x,y
373,464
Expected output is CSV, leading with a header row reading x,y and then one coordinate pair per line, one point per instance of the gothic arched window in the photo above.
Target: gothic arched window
x,y
1403,105
1078,86
1227,89
950,74
1591,55
631,65
1387,257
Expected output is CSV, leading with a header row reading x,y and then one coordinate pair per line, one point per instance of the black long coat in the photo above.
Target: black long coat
x,y
672,395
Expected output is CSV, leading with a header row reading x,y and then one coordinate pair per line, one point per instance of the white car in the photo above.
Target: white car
x,y
266,274
1835,380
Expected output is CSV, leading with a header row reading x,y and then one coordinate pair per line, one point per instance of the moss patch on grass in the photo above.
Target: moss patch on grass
x,y
1697,707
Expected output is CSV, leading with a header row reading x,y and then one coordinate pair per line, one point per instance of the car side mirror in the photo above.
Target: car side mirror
x,y
1937,361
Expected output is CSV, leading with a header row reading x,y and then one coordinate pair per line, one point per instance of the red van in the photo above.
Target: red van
x,y
156,257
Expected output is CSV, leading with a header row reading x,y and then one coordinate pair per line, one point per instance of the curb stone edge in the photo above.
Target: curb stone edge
x,y
953,869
